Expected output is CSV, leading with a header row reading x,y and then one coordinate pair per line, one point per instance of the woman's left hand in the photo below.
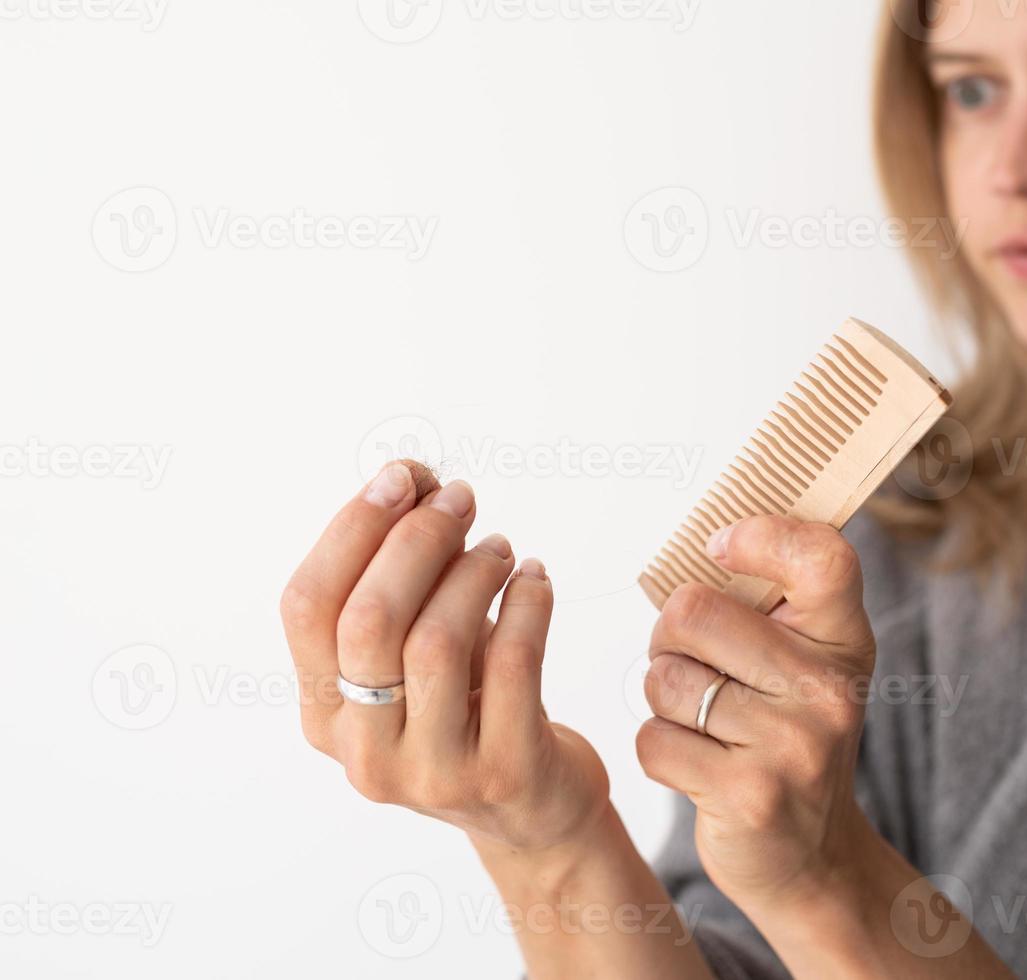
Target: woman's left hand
x,y
772,779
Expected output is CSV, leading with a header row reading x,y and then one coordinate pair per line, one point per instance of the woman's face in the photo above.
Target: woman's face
x,y
981,79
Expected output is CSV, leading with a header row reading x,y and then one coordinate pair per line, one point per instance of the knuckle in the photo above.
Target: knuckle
x,y
824,554
666,684
344,528
807,759
429,792
515,656
842,716
366,623
368,776
298,607
432,644
764,799
649,747
692,607
421,529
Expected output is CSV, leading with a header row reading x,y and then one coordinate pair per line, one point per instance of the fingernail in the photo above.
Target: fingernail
x,y
533,568
497,545
390,486
454,498
716,544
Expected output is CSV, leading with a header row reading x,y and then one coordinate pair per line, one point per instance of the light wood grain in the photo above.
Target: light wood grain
x,y
850,418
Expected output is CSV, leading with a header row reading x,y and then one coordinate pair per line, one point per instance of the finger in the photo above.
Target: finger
x,y
704,623
682,759
314,597
675,685
818,569
478,654
438,648
384,603
511,689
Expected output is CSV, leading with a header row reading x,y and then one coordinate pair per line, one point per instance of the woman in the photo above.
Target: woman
x,y
817,799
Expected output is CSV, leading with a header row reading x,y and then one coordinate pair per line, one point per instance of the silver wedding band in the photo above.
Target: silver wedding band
x,y
707,702
371,695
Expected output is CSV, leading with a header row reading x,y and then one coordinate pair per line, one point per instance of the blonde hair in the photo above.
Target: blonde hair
x,y
984,522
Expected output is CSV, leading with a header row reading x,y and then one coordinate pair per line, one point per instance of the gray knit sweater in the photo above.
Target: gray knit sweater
x,y
942,771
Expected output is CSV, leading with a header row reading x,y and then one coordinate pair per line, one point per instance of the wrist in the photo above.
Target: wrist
x,y
556,865
831,911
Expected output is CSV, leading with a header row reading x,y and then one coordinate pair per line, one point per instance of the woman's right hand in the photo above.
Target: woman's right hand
x,y
388,594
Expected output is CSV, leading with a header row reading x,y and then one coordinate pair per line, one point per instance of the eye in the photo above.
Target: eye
x,y
971,93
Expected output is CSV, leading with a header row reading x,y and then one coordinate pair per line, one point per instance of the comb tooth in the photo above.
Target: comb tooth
x,y
740,493
704,528
831,357
740,505
659,576
682,568
842,390
756,493
762,480
698,545
737,513
823,411
794,445
781,459
825,393
701,564
719,518
860,359
837,439
798,422
775,473
853,370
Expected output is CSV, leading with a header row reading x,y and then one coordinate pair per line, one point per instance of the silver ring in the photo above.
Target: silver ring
x,y
371,695
707,701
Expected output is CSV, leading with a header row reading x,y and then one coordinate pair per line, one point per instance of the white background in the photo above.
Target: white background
x,y
270,373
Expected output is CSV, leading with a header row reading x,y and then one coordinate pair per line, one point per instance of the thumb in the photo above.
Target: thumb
x,y
817,568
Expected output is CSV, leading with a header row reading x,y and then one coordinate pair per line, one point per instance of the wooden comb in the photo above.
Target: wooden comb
x,y
851,418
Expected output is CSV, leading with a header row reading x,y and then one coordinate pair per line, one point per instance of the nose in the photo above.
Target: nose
x,y
1009,166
